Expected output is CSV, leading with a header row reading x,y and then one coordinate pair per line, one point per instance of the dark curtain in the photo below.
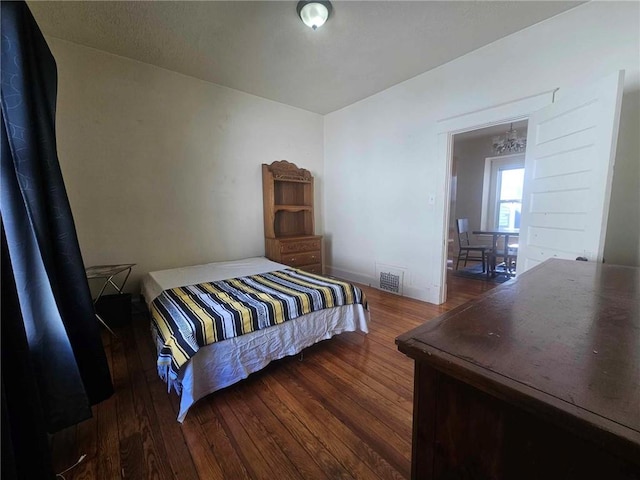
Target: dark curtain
x,y
25,446
65,351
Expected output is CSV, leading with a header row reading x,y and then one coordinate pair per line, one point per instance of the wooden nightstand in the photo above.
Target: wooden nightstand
x,y
304,252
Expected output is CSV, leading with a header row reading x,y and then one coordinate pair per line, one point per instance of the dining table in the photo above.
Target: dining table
x,y
496,234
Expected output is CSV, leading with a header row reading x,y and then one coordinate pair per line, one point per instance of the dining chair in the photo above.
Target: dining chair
x,y
467,251
508,257
512,258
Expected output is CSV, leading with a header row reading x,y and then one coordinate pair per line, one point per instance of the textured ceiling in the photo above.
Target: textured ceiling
x,y
264,49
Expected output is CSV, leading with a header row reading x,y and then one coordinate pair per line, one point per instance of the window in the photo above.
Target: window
x,y
504,180
509,198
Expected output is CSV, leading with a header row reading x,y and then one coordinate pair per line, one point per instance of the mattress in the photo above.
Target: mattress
x,y
222,364
154,283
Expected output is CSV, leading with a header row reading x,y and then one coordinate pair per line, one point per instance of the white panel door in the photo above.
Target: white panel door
x,y
571,147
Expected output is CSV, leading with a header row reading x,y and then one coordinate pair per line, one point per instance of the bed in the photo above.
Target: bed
x,y
226,361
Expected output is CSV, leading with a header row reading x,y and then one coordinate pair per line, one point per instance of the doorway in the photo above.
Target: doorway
x,y
571,148
486,183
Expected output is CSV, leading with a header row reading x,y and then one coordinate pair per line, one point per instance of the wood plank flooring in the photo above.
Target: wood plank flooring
x,y
343,412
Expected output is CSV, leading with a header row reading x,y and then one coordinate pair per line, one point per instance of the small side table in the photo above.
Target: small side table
x,y
107,273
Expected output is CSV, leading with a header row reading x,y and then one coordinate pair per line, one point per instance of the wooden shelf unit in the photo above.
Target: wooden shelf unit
x,y
289,216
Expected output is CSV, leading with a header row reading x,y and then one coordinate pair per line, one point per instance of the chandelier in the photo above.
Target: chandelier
x,y
510,143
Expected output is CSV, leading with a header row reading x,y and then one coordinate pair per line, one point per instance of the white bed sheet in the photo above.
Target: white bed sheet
x,y
153,283
224,363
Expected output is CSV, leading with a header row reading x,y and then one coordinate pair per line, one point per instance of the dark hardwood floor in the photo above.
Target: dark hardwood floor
x,y
344,411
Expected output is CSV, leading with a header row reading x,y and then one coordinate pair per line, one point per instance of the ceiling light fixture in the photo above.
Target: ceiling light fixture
x,y
314,13
510,143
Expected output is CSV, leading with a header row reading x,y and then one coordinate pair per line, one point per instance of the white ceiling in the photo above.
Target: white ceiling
x,y
262,47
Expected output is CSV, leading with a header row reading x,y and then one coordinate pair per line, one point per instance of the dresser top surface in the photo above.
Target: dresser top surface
x,y
566,331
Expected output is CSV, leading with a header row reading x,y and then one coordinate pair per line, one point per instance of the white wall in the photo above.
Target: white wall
x,y
379,153
471,155
622,244
163,170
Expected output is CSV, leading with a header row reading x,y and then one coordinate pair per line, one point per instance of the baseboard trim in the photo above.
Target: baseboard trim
x,y
424,295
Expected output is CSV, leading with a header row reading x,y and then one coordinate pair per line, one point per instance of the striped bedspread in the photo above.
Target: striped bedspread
x,y
191,317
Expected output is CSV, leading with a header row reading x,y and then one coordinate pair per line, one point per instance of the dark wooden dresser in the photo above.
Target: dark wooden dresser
x,y
537,379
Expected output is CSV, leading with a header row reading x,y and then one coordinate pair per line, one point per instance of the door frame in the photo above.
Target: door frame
x,y
508,112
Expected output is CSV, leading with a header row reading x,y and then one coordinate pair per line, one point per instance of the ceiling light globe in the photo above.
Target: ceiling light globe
x,y
314,14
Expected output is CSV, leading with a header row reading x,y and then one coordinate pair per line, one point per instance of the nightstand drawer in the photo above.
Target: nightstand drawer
x,y
315,268
299,259
300,246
